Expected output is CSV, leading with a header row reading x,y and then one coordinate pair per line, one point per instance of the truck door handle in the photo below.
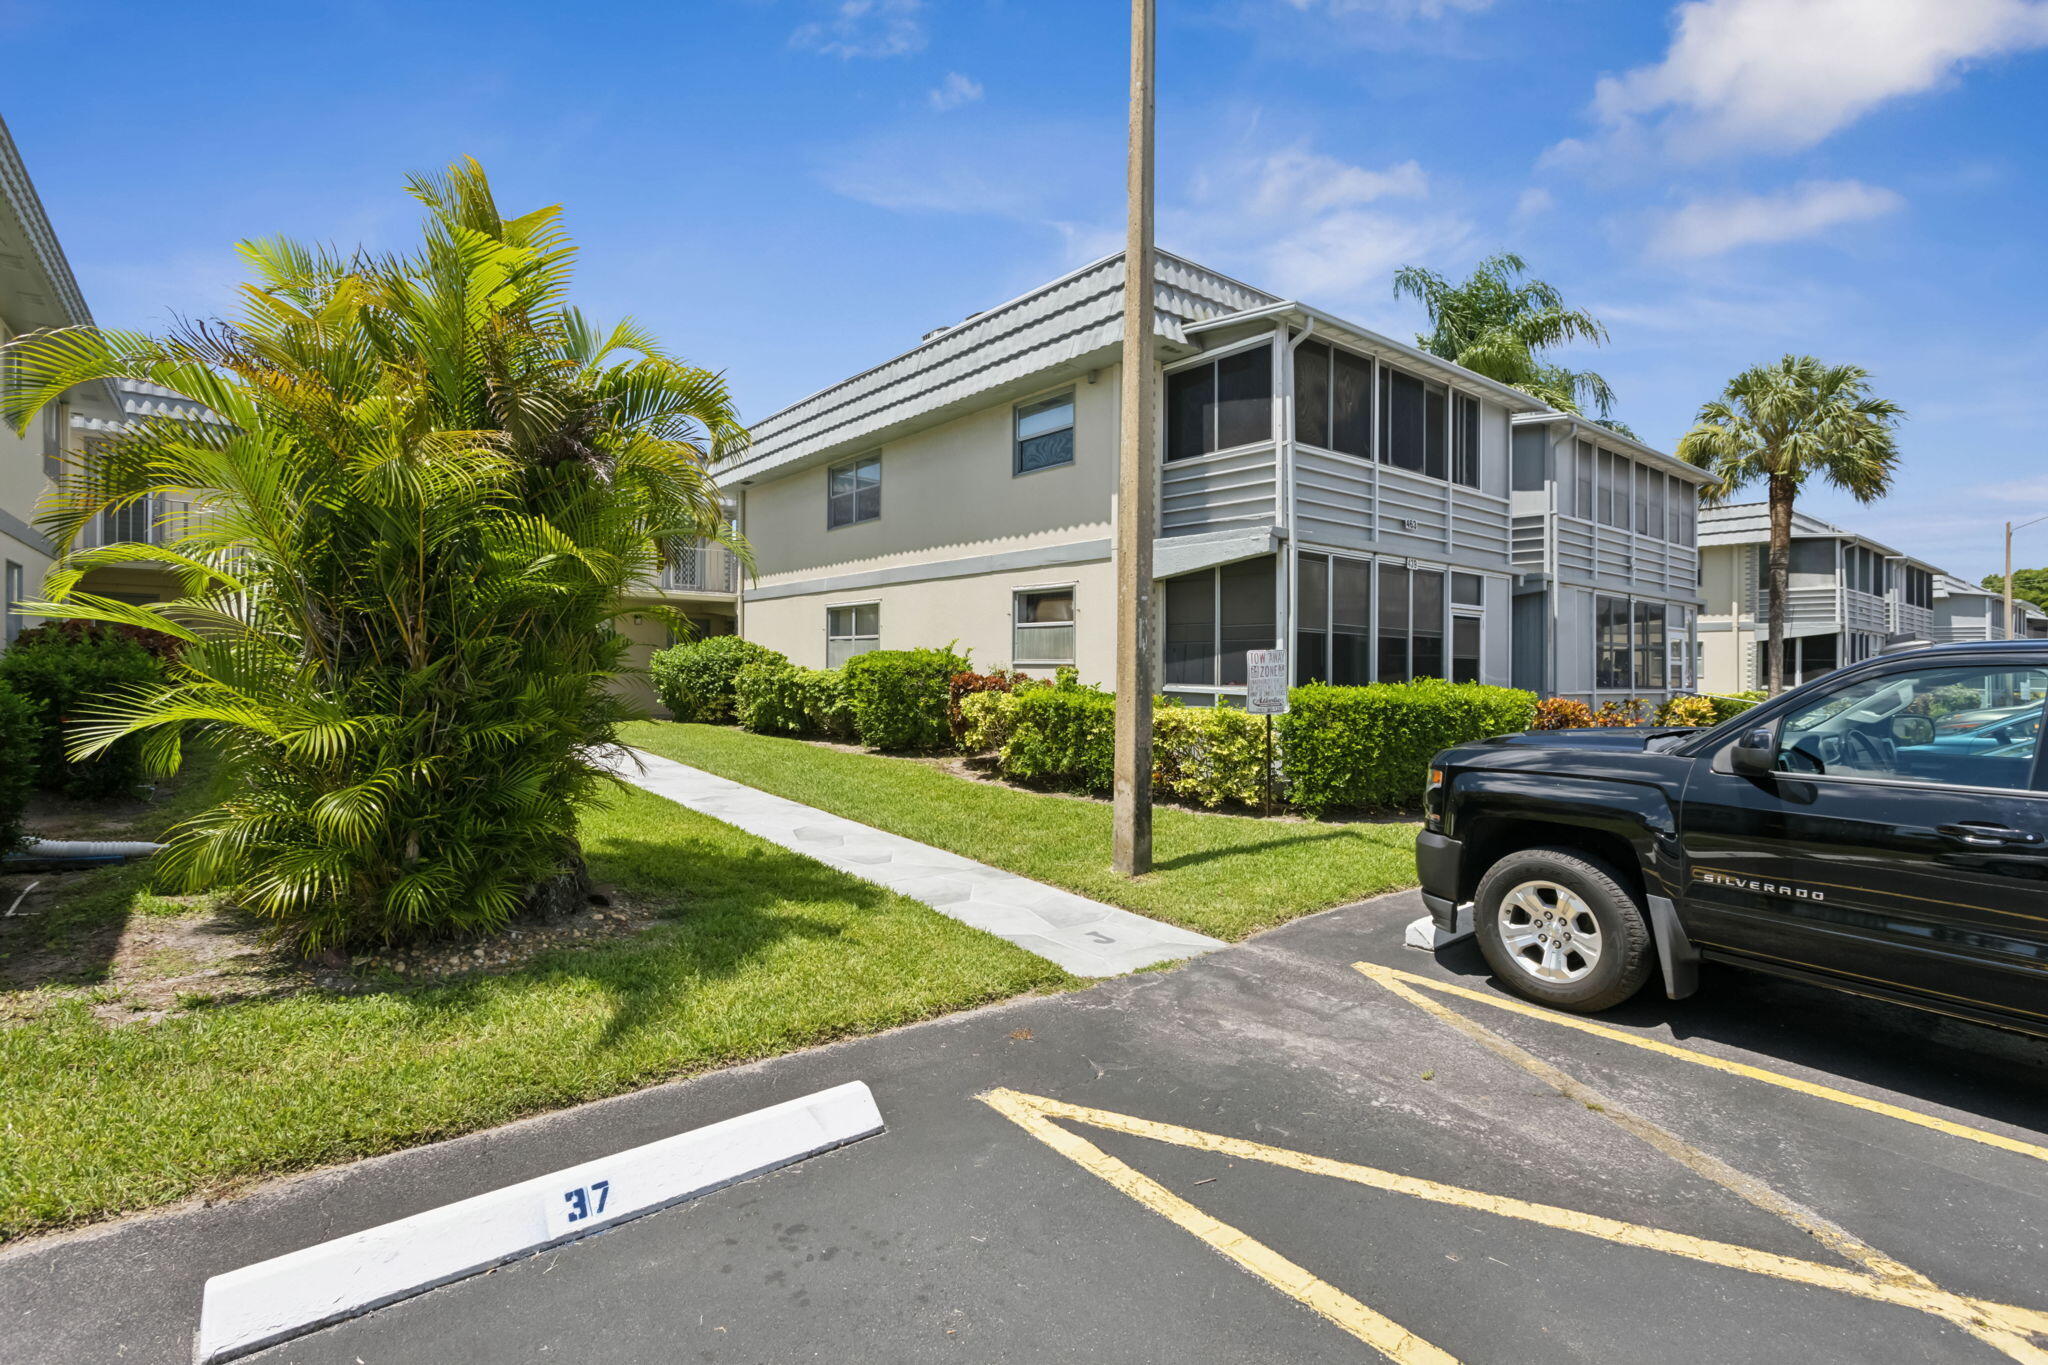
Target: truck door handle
x,y
1983,834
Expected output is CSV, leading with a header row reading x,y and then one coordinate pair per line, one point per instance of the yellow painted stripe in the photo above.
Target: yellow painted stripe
x,y
1387,975
1376,1330
2002,1325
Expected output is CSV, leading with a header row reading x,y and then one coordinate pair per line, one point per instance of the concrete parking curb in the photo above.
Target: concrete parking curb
x,y
272,1301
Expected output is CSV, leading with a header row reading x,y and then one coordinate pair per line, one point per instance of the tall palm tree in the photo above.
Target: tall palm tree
x,y
1785,423
433,487
1497,324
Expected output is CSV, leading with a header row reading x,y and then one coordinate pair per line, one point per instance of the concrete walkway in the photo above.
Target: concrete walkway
x,y
1086,937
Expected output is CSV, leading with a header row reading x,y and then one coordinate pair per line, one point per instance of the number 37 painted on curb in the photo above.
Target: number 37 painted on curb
x,y
576,1207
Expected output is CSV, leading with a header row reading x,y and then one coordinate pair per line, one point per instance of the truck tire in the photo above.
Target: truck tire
x,y
1559,927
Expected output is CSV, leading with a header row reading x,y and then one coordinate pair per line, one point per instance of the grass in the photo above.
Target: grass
x,y
1224,875
766,951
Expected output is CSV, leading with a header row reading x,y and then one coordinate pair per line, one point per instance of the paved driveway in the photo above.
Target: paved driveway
x,y
1265,1155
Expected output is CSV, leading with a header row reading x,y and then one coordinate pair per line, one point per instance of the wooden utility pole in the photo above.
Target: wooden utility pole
x,y
2008,581
1137,482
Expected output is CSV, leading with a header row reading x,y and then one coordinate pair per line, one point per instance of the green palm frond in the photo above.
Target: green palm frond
x,y
1499,324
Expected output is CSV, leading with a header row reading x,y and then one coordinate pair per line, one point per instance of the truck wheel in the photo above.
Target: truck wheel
x,y
1560,928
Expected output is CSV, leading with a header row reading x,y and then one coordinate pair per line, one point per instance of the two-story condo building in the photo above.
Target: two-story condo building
x,y
37,291
1322,487
1848,597
1607,565
1965,611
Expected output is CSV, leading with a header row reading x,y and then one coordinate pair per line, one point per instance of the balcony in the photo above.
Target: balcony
x,y
150,521
708,570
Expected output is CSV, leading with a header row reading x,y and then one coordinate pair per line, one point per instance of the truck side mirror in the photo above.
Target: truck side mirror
x,y
1756,753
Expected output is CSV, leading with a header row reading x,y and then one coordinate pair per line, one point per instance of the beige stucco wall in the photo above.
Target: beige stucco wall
x,y
21,485
972,612
947,493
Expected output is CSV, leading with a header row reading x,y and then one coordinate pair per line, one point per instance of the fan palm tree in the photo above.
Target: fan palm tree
x,y
1786,423
1497,324
432,488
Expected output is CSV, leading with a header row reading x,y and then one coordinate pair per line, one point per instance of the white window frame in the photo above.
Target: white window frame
x,y
873,642
1210,358
1019,628
873,457
1073,427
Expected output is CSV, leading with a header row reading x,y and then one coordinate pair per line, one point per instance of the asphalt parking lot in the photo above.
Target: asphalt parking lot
x,y
1315,1146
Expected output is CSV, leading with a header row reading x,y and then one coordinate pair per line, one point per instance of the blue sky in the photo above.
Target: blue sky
x,y
793,190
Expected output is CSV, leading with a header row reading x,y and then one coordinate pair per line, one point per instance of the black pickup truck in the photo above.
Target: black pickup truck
x,y
1883,830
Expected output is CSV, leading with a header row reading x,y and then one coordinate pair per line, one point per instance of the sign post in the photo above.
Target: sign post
x,y
1265,694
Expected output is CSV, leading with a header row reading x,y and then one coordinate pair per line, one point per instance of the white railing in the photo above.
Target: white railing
x,y
708,568
147,521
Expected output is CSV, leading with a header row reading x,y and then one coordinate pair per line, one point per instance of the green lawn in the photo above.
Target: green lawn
x,y
766,951
1224,875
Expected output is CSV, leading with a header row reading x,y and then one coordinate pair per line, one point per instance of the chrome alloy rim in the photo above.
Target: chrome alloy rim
x,y
1549,932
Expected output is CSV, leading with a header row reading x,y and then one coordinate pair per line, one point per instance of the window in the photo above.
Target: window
x,y
1312,618
853,492
1465,589
1681,511
1583,471
1649,647
1465,441
1220,403
1614,490
1611,664
1464,649
1393,603
1213,617
1919,588
1333,399
1045,433
1043,627
1413,423
1649,509
1965,727
851,630
15,589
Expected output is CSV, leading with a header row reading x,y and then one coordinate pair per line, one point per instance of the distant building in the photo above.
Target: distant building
x,y
1966,611
1323,488
1848,598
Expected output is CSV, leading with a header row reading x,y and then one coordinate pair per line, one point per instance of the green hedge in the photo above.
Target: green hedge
x,y
778,698
1061,736
1210,755
1369,747
900,698
1734,703
695,680
20,740
63,669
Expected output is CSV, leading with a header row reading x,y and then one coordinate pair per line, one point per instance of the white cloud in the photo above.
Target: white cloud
x,y
866,28
954,91
1534,202
1780,75
1304,223
1709,227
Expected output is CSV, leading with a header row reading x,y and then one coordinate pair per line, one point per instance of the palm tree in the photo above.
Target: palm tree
x,y
1785,423
1497,324
434,485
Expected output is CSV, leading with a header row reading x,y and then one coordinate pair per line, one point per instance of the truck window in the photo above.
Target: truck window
x,y
1968,727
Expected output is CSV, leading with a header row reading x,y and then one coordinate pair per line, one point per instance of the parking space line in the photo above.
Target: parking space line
x,y
1376,1330
1386,976
2006,1327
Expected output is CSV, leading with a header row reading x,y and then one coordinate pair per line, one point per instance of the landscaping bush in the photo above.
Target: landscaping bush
x,y
695,680
827,710
967,684
20,741
987,720
1621,715
900,698
1062,736
1371,746
768,698
1562,713
65,670
1210,754
1734,703
1694,711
